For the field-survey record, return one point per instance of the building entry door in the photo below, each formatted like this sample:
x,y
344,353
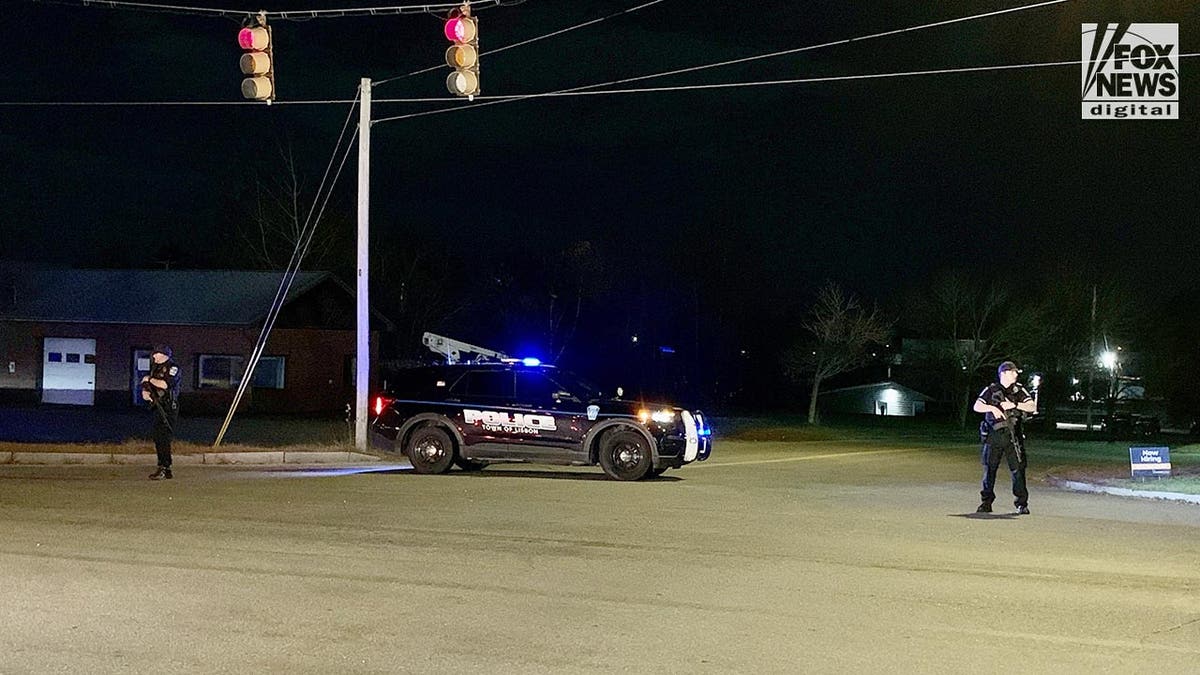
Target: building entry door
x,y
140,368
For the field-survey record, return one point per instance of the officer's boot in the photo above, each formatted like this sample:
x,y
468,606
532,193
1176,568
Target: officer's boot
x,y
163,473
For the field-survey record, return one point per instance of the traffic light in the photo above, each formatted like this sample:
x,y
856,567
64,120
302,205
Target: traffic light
x,y
258,62
463,56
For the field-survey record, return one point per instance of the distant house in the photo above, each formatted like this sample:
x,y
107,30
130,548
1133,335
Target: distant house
x,y
82,337
878,398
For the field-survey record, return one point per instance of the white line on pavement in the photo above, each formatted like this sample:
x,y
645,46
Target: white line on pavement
x,y
811,457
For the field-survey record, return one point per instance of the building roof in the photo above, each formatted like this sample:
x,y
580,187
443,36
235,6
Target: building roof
x,y
148,297
909,392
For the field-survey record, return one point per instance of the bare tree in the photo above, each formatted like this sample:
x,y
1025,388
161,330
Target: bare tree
x,y
976,326
279,213
550,292
579,275
841,332
1080,315
418,285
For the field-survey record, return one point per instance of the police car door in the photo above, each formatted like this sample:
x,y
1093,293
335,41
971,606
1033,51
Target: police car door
x,y
558,436
486,397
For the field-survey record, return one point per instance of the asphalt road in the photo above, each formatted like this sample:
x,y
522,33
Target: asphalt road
x,y
804,557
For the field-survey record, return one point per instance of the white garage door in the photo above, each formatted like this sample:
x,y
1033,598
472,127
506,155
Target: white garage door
x,y
69,371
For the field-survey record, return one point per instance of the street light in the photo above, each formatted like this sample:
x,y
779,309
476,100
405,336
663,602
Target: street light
x,y
1109,360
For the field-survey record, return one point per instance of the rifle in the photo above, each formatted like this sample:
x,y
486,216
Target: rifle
x,y
156,399
1015,436
1012,418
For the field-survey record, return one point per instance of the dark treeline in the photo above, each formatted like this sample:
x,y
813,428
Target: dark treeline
x,y
718,311
685,319
688,319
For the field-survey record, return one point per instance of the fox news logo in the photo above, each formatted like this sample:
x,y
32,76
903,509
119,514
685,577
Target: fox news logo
x,y
1130,71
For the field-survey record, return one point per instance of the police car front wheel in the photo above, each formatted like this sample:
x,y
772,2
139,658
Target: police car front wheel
x,y
430,450
624,455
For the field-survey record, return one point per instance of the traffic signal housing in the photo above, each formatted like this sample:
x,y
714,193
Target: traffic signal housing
x,y
462,30
258,60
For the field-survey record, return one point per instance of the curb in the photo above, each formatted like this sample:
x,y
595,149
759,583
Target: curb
x,y
276,457
60,458
1124,492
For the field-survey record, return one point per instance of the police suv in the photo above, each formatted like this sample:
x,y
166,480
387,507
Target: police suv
x,y
518,410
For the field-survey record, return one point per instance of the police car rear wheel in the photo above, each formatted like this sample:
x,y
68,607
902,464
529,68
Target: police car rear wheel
x,y
624,455
430,450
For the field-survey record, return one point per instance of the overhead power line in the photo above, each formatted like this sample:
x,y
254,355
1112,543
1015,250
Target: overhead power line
x,y
747,59
377,83
529,41
584,91
284,15
834,43
334,101
808,80
492,100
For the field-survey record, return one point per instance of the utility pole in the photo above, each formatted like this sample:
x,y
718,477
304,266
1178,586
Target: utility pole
x,y
362,358
1091,358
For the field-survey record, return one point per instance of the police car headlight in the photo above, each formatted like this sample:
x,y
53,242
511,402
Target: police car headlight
x,y
659,416
663,416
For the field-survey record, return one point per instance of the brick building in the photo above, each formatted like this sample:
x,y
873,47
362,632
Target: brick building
x,y
82,337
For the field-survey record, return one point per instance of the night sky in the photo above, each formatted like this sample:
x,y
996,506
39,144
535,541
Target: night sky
x,y
747,198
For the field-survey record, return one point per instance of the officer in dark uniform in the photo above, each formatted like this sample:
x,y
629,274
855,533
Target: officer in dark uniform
x,y
1002,403
161,390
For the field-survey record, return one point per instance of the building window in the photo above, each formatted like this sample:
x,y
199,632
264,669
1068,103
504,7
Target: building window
x,y
54,357
218,371
72,358
269,373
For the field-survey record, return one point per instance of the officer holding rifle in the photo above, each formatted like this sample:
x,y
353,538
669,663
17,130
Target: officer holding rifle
x,y
1002,404
161,390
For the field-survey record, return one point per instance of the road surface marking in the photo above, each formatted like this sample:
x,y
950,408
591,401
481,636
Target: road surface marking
x,y
805,458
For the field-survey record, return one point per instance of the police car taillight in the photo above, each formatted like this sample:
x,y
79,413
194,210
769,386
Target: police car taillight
x,y
381,402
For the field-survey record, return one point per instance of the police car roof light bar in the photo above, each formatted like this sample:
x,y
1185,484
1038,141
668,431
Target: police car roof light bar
x,y
452,350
